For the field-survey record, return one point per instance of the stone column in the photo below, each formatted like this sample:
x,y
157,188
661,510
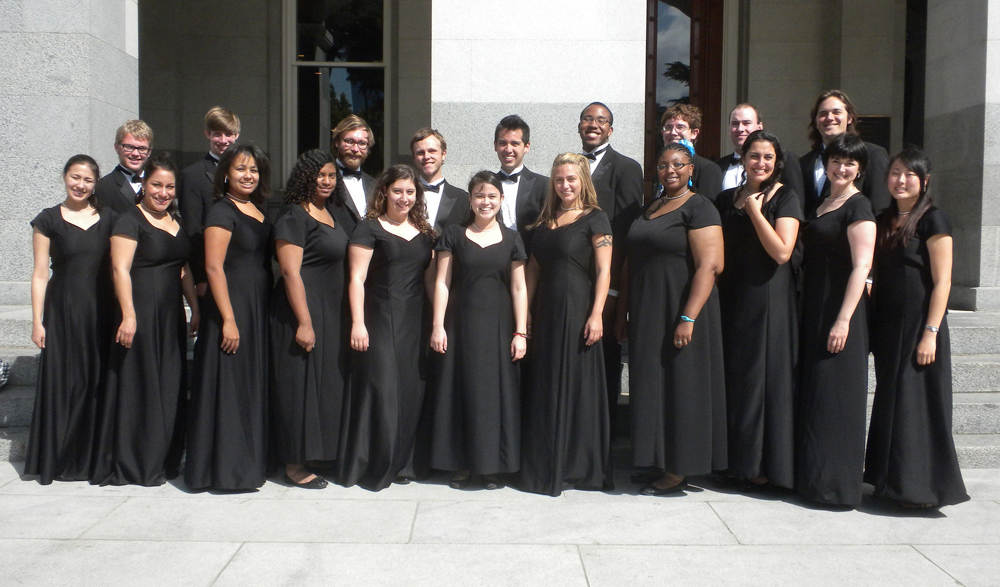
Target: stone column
x,y
68,79
962,137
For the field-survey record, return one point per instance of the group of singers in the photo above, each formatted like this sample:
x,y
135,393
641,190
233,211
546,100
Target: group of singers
x,y
417,326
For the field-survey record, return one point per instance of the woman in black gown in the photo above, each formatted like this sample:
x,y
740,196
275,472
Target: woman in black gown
x,y
760,223
480,326
911,452
72,322
308,335
147,378
677,390
227,427
565,429
838,240
390,272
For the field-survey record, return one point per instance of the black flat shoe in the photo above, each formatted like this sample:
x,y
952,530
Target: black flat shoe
x,y
317,482
459,482
491,484
656,491
401,480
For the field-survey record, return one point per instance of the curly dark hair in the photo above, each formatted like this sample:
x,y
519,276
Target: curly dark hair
x,y
261,194
380,203
301,186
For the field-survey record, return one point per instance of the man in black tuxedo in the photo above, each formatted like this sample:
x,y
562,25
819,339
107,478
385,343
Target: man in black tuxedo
x,y
446,204
353,140
618,181
523,190
683,121
119,189
197,192
832,115
743,120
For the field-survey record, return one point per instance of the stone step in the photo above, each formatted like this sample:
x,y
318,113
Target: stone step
x,y
13,444
974,333
969,373
15,327
23,365
978,451
16,404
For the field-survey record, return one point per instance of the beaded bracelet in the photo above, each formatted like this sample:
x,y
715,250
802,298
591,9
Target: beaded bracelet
x,y
521,334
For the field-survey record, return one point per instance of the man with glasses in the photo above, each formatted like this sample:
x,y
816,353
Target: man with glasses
x,y
119,189
683,121
618,181
353,140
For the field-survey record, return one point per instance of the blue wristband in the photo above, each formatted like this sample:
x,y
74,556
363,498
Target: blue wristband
x,y
686,319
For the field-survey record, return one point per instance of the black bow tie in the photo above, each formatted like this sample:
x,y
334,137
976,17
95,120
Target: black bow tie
x,y
345,172
511,178
433,188
593,156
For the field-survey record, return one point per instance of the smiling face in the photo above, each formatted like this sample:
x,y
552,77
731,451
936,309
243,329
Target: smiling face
x,y
219,141
243,176
132,152
326,181
80,181
904,184
510,148
159,189
742,122
841,171
595,127
676,129
352,148
400,196
674,169
832,119
759,162
568,185
428,156
485,200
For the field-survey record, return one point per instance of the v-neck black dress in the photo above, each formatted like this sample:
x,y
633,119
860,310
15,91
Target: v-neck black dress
x,y
386,395
760,342
146,383
565,428
477,398
78,317
833,388
911,451
227,426
307,388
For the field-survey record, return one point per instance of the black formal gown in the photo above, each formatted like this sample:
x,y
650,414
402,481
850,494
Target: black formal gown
x,y
911,452
759,342
677,396
477,399
833,388
307,388
227,426
565,427
147,383
385,399
78,314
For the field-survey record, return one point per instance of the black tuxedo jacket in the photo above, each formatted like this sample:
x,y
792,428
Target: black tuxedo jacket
x,y
872,183
706,179
791,176
114,192
347,213
531,191
197,194
618,181
453,208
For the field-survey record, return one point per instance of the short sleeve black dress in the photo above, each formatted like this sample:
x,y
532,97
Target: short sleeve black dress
x,y
78,317
911,452
385,398
677,396
833,388
227,427
565,428
759,342
146,383
477,399
307,388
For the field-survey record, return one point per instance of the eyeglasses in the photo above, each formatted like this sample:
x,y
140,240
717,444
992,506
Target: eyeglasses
x,y
676,166
129,148
354,143
600,120
677,127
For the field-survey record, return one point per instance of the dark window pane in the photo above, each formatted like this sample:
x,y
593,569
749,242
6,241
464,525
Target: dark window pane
x,y
673,54
328,94
339,30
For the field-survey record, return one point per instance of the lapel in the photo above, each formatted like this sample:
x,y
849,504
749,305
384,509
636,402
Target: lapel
x,y
126,189
524,188
210,166
601,176
449,195
607,161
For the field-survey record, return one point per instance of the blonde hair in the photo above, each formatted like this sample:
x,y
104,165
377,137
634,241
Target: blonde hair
x,y
137,129
588,194
222,120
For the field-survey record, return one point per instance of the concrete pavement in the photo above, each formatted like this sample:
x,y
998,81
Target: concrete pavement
x,y
428,534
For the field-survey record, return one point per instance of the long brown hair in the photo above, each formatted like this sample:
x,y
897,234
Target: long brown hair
x,y
262,192
588,194
916,161
380,203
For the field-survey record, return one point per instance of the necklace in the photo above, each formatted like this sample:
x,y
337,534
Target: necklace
x,y
240,200
668,198
577,207
846,195
903,213
63,204
153,213
492,226
393,222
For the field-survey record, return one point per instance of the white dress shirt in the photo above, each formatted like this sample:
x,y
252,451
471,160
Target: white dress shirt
x,y
433,200
734,173
819,174
600,150
356,189
509,206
